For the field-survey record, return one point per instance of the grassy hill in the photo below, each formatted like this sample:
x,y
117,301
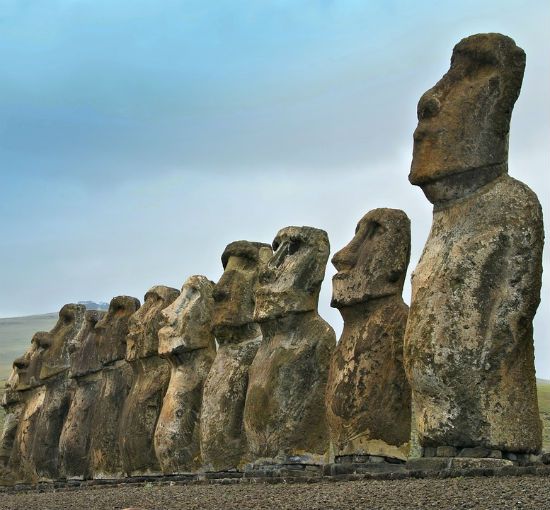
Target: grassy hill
x,y
16,334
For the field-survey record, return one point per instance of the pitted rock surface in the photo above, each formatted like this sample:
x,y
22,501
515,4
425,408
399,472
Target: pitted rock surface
x,y
368,398
187,342
115,381
469,340
223,440
74,442
284,413
54,374
151,375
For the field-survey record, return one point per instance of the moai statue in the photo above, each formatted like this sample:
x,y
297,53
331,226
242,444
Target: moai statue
x,y
115,382
469,339
368,398
54,376
284,414
13,406
75,439
188,344
151,375
223,440
31,393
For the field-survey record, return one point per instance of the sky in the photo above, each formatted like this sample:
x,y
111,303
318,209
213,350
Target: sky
x,y
138,138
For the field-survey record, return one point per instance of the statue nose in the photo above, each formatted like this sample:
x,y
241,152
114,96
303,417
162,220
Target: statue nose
x,y
343,260
20,363
428,106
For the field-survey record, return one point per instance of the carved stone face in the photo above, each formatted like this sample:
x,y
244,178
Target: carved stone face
x,y
55,358
189,318
464,120
111,331
27,367
291,280
145,323
84,349
234,294
375,261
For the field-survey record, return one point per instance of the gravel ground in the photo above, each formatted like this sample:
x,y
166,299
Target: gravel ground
x,y
526,492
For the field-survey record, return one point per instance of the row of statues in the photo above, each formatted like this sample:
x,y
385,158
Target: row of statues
x,y
245,372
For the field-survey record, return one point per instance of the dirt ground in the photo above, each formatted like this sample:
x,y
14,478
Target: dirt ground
x,y
525,492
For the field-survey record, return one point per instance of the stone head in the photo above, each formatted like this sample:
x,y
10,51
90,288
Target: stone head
x,y
83,350
234,294
464,120
144,325
11,395
27,367
374,263
291,280
189,318
55,358
112,330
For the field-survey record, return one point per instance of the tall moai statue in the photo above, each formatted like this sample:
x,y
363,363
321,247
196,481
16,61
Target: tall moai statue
x,y
13,403
368,398
284,414
188,344
223,440
469,339
31,393
151,375
13,407
75,439
54,373
115,380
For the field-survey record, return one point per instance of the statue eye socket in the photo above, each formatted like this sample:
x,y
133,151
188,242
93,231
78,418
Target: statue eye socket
x,y
293,246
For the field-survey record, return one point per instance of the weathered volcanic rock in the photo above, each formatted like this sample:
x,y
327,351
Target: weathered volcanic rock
x,y
115,380
284,413
31,395
469,339
74,442
223,440
54,376
188,344
368,398
150,382
13,408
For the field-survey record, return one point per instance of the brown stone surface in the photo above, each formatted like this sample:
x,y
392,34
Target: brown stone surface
x,y
74,442
54,375
368,398
30,393
284,413
187,342
151,375
115,382
464,120
469,339
223,441
13,409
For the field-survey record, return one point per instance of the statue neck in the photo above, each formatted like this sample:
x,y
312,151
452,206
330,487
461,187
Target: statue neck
x,y
445,192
